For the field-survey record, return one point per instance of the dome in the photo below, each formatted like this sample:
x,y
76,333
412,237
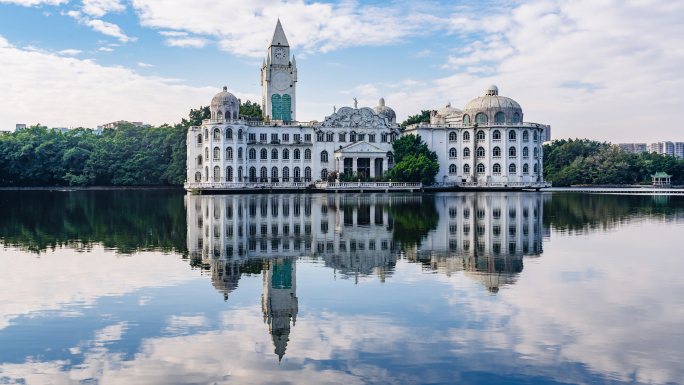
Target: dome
x,y
491,105
225,105
448,110
382,109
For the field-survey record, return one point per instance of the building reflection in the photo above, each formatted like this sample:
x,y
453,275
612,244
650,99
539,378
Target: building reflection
x,y
486,236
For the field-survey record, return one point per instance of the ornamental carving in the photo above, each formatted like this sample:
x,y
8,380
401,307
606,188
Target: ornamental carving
x,y
350,117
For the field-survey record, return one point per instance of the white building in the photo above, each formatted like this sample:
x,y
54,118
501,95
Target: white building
x,y
489,145
229,152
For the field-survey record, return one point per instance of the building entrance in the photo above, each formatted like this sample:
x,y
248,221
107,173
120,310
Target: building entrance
x,y
363,167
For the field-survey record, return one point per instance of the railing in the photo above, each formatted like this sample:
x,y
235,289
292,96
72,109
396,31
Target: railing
x,y
473,125
493,184
244,185
368,185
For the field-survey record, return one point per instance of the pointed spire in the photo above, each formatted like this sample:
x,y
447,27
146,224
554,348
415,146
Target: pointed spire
x,y
279,36
264,65
294,63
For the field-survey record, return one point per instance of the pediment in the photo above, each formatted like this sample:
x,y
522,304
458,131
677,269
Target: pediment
x,y
361,147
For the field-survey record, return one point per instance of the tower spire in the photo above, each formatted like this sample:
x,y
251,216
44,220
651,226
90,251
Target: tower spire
x,y
279,36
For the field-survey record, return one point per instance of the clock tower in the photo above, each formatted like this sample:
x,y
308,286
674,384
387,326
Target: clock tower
x,y
279,79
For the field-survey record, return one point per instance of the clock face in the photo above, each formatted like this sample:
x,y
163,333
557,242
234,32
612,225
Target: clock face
x,y
281,81
280,54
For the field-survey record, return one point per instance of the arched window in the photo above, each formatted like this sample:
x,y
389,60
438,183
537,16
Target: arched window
x,y
452,136
206,174
526,168
536,168
320,136
466,152
500,117
466,168
206,134
452,153
324,174
526,136
516,118
511,135
390,157
480,168
239,174
536,152
535,136
307,154
286,154
307,174
217,134
252,154
219,115
198,176
453,169
296,174
466,120
352,136
297,154
480,135
286,174
511,168
263,174
511,151
274,174
324,156
252,174
229,174
480,118
199,160
274,154
199,139
480,152
466,135
496,168
240,153
287,108
526,152
496,135
276,107
496,151
240,134
229,153
229,133
217,174
264,154
206,153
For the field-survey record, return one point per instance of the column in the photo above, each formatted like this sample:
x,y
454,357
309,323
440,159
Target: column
x,y
340,170
354,169
372,167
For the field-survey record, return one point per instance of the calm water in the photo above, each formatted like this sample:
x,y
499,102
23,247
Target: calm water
x,y
160,288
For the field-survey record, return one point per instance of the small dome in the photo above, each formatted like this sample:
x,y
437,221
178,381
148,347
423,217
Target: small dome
x,y
224,98
382,109
448,110
492,90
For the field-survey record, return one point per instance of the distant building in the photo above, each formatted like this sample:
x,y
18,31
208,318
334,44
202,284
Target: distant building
x,y
627,147
679,149
640,147
664,148
114,124
20,126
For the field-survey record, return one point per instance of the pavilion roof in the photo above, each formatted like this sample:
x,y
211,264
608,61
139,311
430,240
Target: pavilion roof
x,y
661,175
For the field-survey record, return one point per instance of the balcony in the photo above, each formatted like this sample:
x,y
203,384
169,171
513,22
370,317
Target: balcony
x,y
251,141
511,140
496,140
277,141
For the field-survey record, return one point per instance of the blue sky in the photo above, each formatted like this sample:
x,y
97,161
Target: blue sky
x,y
599,69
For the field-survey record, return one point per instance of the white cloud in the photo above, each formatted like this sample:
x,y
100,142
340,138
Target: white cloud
x,y
310,27
74,91
106,49
30,3
145,65
99,8
70,52
190,42
110,30
424,53
173,33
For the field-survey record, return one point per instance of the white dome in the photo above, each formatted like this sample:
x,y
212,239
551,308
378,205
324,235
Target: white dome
x,y
225,105
492,90
491,104
448,110
382,109
224,98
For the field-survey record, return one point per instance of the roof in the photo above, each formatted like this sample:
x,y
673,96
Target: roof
x,y
279,36
661,175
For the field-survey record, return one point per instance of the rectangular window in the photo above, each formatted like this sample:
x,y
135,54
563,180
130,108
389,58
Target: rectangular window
x,y
252,136
371,137
307,137
262,137
274,137
362,137
297,137
286,137
342,138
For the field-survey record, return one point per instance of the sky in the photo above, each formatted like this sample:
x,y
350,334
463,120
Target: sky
x,y
600,69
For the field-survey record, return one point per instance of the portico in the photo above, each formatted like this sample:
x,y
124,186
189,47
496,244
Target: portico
x,y
361,158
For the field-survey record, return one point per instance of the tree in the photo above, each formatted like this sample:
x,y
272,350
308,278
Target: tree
x,y
250,109
423,117
414,161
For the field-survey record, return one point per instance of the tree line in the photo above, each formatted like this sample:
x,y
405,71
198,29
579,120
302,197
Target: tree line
x,y
125,156
583,161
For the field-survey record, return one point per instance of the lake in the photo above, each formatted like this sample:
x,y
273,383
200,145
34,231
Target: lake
x,y
159,287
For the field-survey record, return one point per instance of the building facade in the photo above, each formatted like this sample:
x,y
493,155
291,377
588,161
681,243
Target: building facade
x,y
484,145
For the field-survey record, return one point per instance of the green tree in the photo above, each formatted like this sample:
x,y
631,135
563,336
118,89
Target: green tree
x,y
423,117
253,110
414,161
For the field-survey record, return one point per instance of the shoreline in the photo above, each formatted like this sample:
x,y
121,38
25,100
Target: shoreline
x,y
92,188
